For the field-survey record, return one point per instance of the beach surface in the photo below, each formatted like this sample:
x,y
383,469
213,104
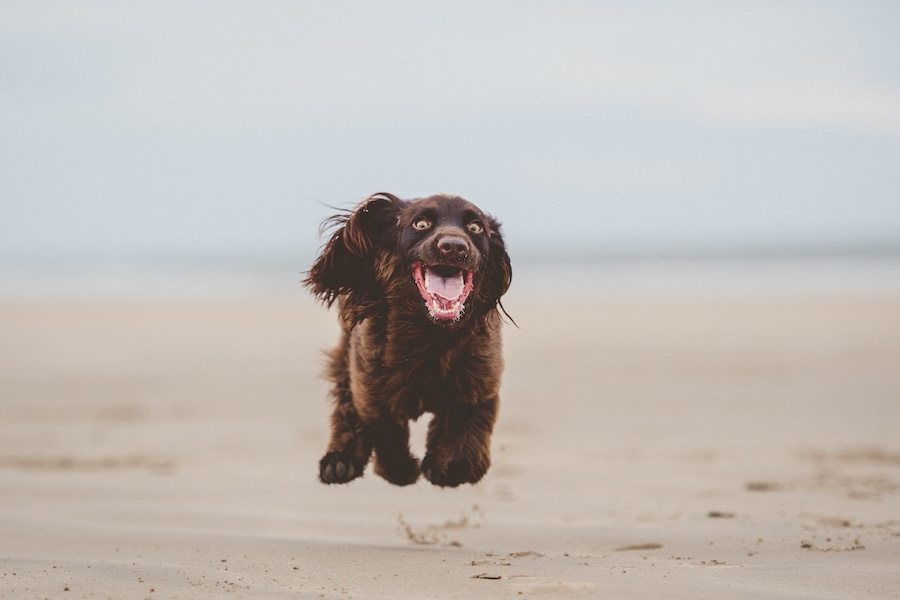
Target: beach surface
x,y
645,448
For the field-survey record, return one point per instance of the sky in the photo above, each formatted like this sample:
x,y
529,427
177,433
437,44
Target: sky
x,y
236,127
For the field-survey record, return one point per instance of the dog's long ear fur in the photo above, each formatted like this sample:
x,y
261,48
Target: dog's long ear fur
x,y
346,265
498,271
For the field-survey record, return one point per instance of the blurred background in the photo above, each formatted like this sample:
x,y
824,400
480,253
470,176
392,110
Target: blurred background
x,y
158,148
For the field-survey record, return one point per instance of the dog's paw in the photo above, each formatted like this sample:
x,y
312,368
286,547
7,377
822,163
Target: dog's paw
x,y
452,473
336,467
399,470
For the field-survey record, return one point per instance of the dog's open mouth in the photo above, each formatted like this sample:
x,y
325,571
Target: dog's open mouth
x,y
444,288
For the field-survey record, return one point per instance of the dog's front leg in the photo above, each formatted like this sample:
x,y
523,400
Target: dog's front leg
x,y
350,447
393,460
459,443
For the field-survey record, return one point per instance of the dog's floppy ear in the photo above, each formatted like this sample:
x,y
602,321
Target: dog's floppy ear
x,y
498,271
346,265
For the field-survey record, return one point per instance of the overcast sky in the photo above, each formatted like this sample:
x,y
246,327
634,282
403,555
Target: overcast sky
x,y
231,126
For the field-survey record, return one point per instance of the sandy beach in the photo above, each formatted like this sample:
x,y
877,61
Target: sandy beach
x,y
646,448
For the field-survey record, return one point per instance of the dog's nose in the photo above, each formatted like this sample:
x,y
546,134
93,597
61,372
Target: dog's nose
x,y
453,247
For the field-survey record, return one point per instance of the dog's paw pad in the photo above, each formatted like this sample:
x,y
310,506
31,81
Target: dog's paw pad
x,y
337,468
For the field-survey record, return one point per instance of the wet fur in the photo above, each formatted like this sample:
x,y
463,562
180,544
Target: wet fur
x,y
395,362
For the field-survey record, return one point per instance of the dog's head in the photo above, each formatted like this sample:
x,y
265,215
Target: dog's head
x,y
441,256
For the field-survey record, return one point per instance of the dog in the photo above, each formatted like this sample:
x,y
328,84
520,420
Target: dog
x,y
418,286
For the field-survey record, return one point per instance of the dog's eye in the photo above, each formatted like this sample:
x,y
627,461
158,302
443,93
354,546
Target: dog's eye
x,y
475,227
422,224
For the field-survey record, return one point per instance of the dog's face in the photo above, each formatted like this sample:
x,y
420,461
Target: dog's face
x,y
440,255
444,239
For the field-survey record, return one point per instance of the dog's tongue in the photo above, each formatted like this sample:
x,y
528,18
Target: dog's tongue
x,y
450,288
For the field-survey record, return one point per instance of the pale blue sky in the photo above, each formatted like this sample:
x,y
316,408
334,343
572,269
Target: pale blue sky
x,y
213,127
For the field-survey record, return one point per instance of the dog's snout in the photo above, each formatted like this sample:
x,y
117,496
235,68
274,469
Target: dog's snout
x,y
453,246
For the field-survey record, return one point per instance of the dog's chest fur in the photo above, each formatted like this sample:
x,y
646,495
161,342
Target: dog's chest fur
x,y
408,370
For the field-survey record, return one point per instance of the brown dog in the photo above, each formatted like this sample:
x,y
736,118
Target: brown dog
x,y
418,285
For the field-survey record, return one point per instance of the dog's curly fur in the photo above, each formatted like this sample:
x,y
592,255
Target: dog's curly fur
x,y
418,285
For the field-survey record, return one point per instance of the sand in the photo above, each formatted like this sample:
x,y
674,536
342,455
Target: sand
x,y
646,448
